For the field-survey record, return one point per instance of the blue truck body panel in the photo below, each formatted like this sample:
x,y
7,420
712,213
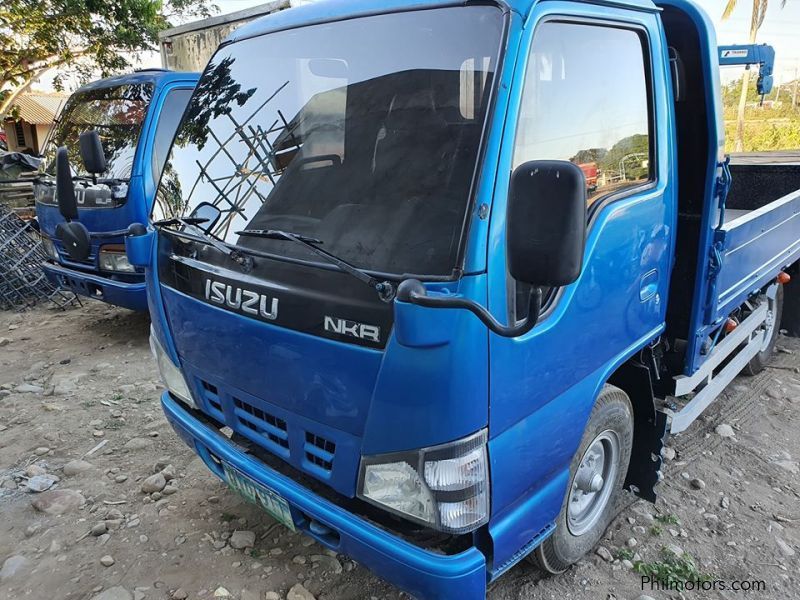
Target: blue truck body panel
x,y
86,278
441,375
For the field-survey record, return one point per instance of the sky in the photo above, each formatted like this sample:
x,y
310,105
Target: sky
x,y
781,29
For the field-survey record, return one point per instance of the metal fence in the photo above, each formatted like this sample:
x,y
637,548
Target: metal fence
x,y
22,280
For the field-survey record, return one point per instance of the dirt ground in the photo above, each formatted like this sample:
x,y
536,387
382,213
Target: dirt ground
x,y
72,380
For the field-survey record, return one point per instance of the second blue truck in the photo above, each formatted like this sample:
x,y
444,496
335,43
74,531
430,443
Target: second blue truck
x,y
135,117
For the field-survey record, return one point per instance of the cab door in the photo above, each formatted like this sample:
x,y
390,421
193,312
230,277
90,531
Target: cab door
x,y
589,87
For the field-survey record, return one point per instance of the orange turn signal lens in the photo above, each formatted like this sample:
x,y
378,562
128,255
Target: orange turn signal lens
x,y
730,325
784,278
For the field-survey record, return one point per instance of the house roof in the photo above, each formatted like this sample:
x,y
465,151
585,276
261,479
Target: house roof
x,y
38,108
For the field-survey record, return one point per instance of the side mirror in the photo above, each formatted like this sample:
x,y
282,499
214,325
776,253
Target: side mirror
x,y
209,213
92,155
546,223
65,190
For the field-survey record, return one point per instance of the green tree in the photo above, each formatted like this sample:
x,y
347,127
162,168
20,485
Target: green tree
x,y
756,20
80,35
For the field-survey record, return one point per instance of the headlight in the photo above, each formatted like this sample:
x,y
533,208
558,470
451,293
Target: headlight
x,y
170,374
49,248
113,258
445,487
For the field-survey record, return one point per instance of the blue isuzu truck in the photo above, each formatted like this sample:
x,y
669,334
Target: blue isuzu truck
x,y
127,124
389,309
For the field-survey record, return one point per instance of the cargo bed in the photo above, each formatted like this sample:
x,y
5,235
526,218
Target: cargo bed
x,y
760,233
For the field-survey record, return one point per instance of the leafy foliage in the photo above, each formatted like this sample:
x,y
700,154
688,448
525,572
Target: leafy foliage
x,y
81,35
773,125
672,568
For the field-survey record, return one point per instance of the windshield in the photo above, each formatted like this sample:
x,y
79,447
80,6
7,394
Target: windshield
x,y
363,134
116,113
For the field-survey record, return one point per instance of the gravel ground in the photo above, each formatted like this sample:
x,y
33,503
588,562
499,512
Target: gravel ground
x,y
79,415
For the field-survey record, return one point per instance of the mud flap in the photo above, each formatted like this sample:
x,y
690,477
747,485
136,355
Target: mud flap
x,y
650,428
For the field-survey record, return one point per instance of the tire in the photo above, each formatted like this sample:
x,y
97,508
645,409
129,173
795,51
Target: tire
x,y
762,359
578,530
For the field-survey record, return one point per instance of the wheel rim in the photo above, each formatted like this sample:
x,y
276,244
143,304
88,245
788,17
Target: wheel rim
x,y
593,483
769,324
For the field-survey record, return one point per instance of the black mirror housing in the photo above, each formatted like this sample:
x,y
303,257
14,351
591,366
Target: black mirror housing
x,y
209,212
65,189
92,155
546,223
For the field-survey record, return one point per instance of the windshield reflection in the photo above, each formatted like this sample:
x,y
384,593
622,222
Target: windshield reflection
x,y
363,134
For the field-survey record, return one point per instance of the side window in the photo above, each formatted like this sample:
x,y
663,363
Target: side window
x,y
168,121
586,99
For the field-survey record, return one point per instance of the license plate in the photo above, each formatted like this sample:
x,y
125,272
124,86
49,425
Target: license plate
x,y
259,495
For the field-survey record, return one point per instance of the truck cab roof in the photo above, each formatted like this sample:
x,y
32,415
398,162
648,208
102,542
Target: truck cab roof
x,y
327,11
155,76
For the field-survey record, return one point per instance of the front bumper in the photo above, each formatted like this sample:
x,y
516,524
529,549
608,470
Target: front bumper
x,y
420,572
126,295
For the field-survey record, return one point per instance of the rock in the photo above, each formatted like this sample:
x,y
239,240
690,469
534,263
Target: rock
x,y
272,596
785,548
168,472
154,483
32,529
34,470
631,543
41,450
12,565
180,594
788,465
675,549
221,592
698,484
299,559
724,502
121,478
668,453
28,388
298,592
645,597
604,553
114,593
327,563
40,483
75,467
99,529
107,560
725,430
242,539
627,564
138,443
57,502
169,490
774,393
4,341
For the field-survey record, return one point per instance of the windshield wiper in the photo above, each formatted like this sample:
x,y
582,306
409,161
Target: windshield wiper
x,y
190,225
385,289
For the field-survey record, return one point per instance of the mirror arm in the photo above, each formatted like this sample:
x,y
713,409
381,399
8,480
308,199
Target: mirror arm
x,y
413,292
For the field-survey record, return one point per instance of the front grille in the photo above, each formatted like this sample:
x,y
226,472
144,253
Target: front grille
x,y
277,431
212,396
270,426
319,451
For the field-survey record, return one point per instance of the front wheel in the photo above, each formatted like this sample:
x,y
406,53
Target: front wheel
x,y
597,474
